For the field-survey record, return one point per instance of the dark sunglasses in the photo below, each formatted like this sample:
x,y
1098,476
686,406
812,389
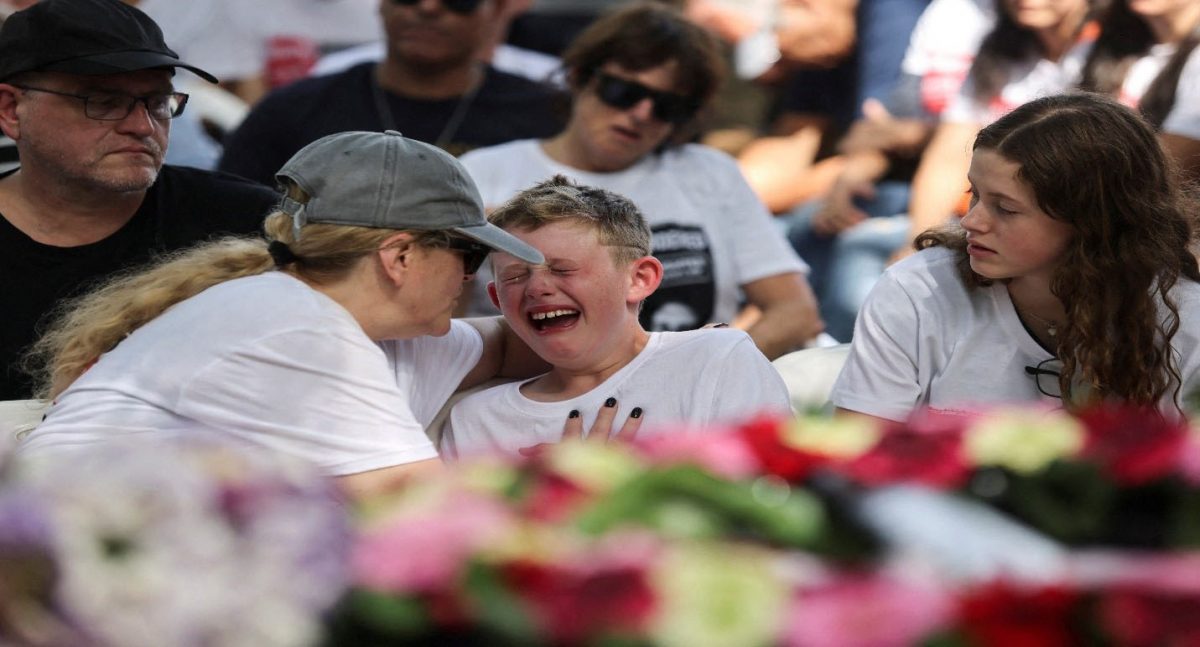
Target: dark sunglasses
x,y
462,7
669,107
473,253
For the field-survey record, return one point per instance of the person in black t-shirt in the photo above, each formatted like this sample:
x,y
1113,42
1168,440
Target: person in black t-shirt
x,y
86,94
431,87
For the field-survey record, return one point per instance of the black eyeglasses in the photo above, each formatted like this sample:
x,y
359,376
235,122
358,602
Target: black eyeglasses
x,y
1046,376
462,7
669,107
115,106
473,253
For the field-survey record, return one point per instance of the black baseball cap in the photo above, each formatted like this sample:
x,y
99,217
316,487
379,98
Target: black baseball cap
x,y
84,37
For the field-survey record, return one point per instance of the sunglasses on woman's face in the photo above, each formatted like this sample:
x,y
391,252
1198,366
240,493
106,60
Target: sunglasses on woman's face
x,y
462,7
473,253
669,107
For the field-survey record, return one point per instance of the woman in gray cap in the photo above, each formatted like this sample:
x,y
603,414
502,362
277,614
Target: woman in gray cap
x,y
331,340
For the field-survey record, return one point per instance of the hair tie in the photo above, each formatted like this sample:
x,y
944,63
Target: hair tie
x,y
281,253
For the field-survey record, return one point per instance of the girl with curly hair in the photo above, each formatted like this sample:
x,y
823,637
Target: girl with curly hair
x,y
1070,277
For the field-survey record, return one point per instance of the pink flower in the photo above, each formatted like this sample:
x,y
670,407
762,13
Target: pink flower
x,y
425,553
867,611
1189,458
721,452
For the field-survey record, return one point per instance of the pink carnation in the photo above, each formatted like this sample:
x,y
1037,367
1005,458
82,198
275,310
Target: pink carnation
x,y
425,552
867,611
721,452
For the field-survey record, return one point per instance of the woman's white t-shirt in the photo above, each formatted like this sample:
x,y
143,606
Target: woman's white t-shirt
x,y
270,361
923,338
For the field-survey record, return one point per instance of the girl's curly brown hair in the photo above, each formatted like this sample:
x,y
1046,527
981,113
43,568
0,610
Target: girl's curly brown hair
x,y
1098,166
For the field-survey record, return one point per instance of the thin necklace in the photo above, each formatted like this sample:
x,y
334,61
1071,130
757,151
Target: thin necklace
x,y
1050,326
384,110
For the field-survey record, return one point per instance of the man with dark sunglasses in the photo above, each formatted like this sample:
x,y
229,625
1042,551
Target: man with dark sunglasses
x,y
639,78
432,86
86,94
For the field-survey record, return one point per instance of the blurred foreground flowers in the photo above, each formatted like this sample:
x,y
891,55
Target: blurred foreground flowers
x,y
150,544
1006,527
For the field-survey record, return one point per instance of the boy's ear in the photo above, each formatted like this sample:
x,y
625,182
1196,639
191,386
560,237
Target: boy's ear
x,y
645,275
491,290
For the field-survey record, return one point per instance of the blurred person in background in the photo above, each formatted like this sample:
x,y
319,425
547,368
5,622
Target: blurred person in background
x,y
1146,56
432,87
639,78
847,236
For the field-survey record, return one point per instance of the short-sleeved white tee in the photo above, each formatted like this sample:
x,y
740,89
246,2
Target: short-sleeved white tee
x,y
271,361
923,338
710,230
698,378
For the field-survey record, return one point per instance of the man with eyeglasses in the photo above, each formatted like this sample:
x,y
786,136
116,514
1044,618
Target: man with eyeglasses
x,y
86,94
432,86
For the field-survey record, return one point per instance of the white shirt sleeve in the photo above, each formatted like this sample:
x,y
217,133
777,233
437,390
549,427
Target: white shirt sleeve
x,y
429,369
880,376
748,385
758,248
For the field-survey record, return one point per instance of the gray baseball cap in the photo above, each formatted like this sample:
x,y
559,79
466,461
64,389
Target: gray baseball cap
x,y
387,180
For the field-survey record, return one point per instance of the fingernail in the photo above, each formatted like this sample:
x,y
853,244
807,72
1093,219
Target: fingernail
x,y
574,413
636,413
721,325
610,403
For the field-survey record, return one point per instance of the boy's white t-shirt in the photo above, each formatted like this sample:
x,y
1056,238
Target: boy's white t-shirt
x,y
693,379
923,338
710,230
270,361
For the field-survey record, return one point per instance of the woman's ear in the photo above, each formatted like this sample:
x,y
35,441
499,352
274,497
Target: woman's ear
x,y
395,255
645,275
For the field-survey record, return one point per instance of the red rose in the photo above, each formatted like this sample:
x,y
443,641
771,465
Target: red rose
x,y
905,454
552,497
1133,444
572,605
764,436
1141,618
1002,615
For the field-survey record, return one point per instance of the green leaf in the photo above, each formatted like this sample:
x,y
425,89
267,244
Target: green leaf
x,y
656,497
387,614
497,608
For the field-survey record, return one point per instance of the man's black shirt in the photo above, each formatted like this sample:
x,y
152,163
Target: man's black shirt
x,y
183,207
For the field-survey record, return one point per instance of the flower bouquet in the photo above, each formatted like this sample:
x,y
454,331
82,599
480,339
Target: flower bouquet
x,y
761,534
677,540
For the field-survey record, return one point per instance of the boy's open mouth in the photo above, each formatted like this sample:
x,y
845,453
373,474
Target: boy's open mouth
x,y
553,319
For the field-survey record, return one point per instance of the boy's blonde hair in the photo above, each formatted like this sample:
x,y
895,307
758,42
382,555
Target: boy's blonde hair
x,y
615,218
